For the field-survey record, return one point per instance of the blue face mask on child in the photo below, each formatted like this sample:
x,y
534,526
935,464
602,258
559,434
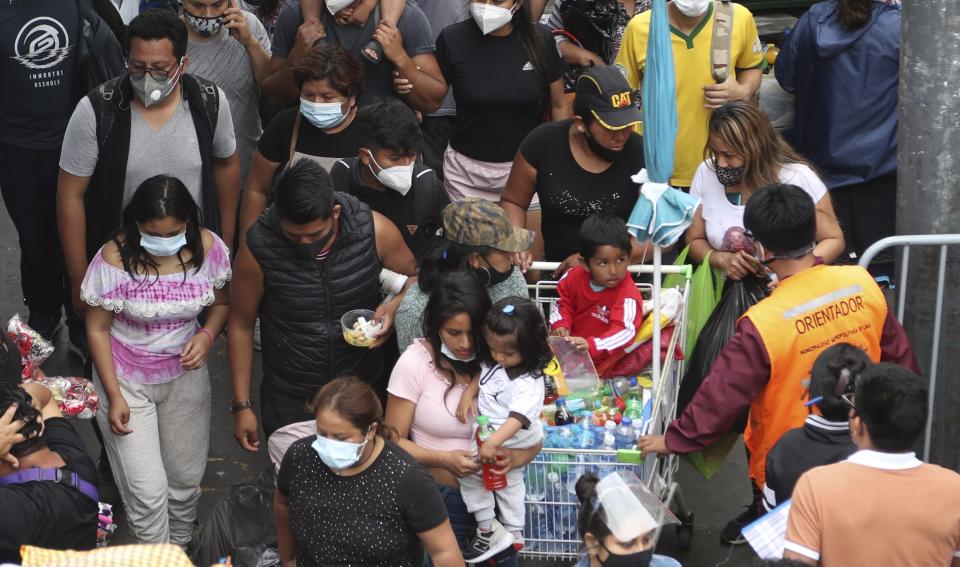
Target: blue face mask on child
x,y
338,455
163,246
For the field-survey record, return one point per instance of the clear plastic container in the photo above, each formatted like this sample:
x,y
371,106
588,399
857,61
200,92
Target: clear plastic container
x,y
359,328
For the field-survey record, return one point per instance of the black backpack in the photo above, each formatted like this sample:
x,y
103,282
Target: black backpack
x,y
99,55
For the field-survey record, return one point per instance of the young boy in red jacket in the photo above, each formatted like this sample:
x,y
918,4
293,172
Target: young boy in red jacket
x,y
600,306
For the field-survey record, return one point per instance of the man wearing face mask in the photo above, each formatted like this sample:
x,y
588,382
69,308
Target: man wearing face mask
x,y
154,119
387,176
768,358
697,28
230,47
310,258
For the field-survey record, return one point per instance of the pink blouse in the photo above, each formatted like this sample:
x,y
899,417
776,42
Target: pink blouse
x,y
435,425
154,317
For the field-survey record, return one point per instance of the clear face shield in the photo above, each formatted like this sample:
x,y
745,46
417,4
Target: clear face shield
x,y
630,508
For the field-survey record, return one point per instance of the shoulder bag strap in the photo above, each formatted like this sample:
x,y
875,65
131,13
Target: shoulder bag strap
x,y
722,39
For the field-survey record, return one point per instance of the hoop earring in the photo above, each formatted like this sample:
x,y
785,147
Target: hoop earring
x,y
489,275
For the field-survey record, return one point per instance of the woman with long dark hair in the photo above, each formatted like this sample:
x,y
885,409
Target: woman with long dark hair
x,y
349,495
425,390
146,287
842,63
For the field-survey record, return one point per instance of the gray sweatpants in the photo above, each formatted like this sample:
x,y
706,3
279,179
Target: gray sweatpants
x,y
480,501
159,465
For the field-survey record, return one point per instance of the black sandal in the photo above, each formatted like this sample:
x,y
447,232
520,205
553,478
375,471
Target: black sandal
x,y
373,51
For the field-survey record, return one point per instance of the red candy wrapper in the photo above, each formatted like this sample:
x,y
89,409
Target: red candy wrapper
x,y
75,396
34,349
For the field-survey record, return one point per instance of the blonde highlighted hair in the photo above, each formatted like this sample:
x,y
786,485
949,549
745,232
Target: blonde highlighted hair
x,y
748,132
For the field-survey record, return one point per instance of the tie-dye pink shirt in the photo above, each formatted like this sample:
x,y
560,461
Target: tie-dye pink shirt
x,y
154,317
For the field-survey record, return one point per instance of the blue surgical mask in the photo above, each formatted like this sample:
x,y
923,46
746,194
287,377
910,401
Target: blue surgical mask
x,y
338,455
163,246
323,115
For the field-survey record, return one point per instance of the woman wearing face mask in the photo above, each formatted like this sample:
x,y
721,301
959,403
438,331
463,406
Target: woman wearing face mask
x,y
744,152
505,72
477,237
350,496
425,389
578,167
604,549
145,289
323,128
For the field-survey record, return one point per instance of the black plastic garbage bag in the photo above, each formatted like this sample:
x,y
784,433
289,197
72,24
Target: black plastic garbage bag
x,y
737,297
241,525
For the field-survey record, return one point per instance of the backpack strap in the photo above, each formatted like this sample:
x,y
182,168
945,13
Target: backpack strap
x,y
61,475
209,97
106,100
293,139
722,40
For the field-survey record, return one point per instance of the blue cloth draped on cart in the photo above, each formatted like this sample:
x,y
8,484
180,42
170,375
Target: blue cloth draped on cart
x,y
662,213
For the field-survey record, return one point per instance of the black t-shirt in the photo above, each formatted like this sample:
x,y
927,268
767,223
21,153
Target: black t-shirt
x,y
496,88
569,194
48,514
275,142
38,60
416,214
377,77
372,518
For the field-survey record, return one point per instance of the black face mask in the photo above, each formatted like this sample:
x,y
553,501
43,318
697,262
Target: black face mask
x,y
638,559
603,153
310,250
492,277
729,176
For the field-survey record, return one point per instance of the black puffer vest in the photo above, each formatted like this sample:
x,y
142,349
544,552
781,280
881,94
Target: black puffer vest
x,y
303,300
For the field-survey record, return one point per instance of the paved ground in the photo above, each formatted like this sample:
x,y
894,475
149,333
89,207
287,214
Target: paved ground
x,y
714,501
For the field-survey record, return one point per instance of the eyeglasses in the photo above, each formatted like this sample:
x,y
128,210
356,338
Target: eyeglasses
x,y
846,385
137,71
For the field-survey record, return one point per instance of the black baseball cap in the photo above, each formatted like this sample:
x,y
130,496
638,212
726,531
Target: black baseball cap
x,y
605,92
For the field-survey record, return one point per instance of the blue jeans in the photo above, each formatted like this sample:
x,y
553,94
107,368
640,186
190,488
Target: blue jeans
x,y
464,527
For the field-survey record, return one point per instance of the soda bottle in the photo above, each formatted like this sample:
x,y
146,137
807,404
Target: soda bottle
x,y
614,415
563,415
491,480
587,439
599,418
634,409
636,391
550,390
621,386
619,404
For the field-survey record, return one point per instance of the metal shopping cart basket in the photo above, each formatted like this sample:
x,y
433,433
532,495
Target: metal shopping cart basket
x,y
551,502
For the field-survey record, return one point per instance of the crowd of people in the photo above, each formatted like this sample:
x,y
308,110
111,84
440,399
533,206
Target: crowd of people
x,y
261,168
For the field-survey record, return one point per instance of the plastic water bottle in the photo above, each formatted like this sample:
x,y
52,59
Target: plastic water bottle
x,y
587,438
563,438
491,480
625,435
636,391
563,415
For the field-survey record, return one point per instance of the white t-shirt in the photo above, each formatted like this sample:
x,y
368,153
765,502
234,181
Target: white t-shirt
x,y
523,396
724,220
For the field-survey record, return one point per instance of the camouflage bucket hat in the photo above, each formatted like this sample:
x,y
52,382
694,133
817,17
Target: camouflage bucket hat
x,y
476,222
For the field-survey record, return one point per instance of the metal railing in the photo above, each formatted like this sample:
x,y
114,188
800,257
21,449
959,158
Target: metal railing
x,y
907,241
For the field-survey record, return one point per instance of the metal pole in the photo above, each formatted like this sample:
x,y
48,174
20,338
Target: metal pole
x,y
928,198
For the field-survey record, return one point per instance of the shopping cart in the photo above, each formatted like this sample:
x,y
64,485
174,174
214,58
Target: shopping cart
x,y
551,502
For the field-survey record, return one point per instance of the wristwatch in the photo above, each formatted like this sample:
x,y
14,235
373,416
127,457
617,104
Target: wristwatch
x,y
240,406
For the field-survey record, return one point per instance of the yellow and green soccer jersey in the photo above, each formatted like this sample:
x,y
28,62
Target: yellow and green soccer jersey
x,y
691,60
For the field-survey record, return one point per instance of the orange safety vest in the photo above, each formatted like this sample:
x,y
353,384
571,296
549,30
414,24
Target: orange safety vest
x,y
807,313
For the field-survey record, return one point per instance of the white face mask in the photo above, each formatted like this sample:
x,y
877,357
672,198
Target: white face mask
x,y
692,8
399,177
445,350
336,5
491,18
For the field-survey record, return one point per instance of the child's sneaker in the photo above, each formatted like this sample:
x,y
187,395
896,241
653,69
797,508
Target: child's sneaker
x,y
518,541
485,545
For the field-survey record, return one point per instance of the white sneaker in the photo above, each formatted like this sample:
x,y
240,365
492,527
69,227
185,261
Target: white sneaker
x,y
485,545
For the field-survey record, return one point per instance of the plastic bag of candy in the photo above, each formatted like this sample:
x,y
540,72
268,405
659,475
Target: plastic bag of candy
x,y
105,524
34,349
75,396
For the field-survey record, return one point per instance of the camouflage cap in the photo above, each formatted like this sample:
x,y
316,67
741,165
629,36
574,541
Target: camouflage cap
x,y
477,222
